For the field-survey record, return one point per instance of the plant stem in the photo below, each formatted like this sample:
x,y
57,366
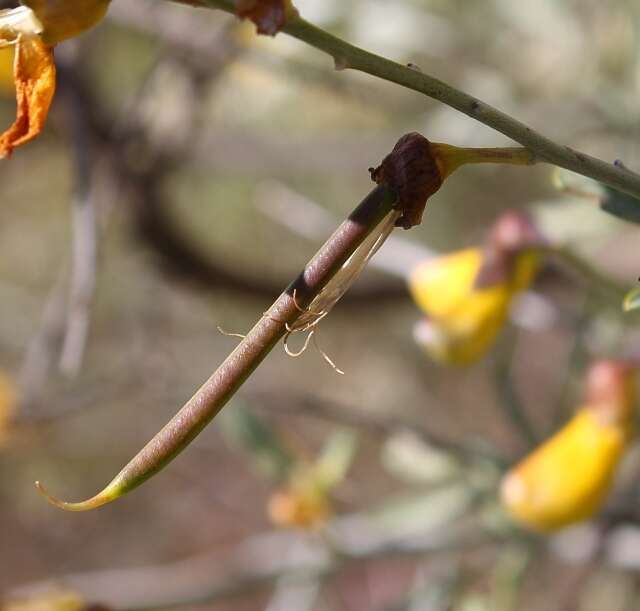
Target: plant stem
x,y
346,55
595,280
207,402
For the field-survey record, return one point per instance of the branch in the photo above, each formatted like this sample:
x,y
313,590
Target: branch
x,y
346,55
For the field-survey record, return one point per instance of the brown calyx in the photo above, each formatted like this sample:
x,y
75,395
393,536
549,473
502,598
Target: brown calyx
x,y
411,171
270,16
610,389
512,232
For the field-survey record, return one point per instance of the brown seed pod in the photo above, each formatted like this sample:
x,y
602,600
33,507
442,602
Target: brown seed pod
x,y
412,172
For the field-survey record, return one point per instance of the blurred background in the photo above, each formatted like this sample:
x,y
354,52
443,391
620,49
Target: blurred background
x,y
189,169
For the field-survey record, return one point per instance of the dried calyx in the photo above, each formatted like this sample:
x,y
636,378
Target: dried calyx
x,y
416,168
610,390
513,232
270,16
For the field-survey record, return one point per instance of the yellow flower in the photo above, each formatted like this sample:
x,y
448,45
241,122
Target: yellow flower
x,y
567,478
303,503
62,19
7,86
466,295
33,30
56,600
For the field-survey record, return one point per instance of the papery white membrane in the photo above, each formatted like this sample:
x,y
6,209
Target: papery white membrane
x,y
350,271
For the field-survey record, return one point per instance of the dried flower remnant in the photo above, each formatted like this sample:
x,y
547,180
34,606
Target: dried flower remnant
x,y
566,479
305,499
270,16
302,504
416,168
33,30
466,295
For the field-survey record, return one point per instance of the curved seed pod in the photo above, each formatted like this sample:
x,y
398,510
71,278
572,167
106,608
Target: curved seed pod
x,y
211,397
400,187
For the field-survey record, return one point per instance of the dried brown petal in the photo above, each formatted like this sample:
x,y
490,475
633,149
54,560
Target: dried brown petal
x,y
35,79
411,170
270,16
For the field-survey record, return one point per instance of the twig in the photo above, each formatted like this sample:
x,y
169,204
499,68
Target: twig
x,y
346,55
84,260
597,281
256,563
43,346
381,424
508,397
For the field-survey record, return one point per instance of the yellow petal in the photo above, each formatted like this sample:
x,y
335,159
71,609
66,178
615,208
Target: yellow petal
x,y
53,600
567,478
464,321
7,86
62,19
35,79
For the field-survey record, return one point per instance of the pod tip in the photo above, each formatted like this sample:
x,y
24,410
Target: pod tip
x,y
102,498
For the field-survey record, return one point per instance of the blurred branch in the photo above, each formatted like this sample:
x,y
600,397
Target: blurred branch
x,y
385,425
85,228
257,563
508,397
65,321
43,346
346,56
597,281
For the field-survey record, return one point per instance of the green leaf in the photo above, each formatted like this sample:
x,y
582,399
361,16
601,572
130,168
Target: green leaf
x,y
632,300
621,205
247,431
336,457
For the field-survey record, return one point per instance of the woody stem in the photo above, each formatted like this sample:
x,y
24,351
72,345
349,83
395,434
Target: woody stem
x,y
346,55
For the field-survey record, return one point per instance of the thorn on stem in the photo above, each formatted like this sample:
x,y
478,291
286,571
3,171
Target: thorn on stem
x,y
340,63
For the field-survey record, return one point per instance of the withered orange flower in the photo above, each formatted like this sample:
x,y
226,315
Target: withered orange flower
x,y
34,74
33,30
